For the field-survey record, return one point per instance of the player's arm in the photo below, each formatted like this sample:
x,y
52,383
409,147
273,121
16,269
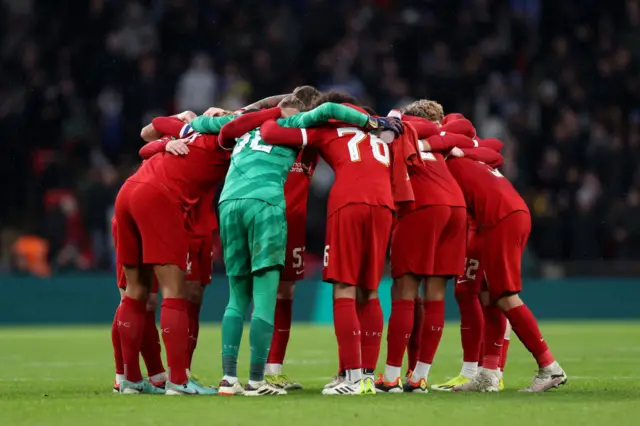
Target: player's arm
x,y
330,110
268,102
423,127
444,141
486,155
203,124
243,124
154,131
460,127
165,144
274,134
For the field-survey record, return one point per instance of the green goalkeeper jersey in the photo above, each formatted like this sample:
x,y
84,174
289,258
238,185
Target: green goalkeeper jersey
x,y
258,170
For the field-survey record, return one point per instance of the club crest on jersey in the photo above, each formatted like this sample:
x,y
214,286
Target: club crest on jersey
x,y
296,168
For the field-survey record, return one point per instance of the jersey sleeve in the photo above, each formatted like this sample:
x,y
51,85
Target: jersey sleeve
x,y
323,114
486,155
444,141
204,124
243,124
274,134
154,147
461,127
170,126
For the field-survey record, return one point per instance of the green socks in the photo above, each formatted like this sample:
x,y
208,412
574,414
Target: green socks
x,y
233,322
265,293
263,286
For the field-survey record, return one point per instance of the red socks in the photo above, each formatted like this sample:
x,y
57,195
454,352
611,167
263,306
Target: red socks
x,y
130,317
115,341
431,330
371,324
281,331
347,328
505,350
174,322
193,312
399,331
151,345
413,349
471,323
526,328
495,325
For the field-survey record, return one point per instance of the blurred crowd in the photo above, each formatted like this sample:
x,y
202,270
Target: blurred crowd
x,y
558,82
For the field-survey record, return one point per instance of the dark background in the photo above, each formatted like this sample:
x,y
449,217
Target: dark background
x,y
557,81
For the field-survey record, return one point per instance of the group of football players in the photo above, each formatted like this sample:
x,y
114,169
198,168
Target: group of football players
x,y
417,182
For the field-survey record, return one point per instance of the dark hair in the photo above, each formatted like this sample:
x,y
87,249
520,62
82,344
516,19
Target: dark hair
x,y
292,102
307,94
337,97
370,110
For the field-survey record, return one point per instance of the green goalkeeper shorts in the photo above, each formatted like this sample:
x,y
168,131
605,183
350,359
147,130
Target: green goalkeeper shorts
x,y
253,235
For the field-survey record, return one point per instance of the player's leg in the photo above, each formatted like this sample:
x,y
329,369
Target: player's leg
x,y
448,261
165,244
467,291
195,293
293,271
267,235
401,323
151,350
407,258
342,263
130,316
117,348
235,250
376,239
505,347
413,348
281,333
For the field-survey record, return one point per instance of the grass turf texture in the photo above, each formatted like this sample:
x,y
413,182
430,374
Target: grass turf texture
x,y
63,376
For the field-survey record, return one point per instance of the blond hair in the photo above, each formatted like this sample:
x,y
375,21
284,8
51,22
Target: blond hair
x,y
425,108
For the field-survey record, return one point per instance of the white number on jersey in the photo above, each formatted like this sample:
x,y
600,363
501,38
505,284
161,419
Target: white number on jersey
x,y
496,173
255,143
472,267
379,148
298,261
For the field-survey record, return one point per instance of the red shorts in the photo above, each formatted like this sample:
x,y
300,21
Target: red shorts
x,y
473,276
296,245
503,246
356,245
150,227
429,241
200,263
121,279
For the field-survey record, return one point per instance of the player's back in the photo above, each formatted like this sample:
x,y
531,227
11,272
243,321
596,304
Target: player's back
x,y
433,184
489,195
258,171
361,162
187,178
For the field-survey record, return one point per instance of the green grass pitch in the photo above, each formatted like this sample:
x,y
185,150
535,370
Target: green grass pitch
x,y
63,376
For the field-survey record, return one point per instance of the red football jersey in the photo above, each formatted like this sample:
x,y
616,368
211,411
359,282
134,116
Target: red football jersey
x,y
187,178
361,162
296,187
490,196
433,185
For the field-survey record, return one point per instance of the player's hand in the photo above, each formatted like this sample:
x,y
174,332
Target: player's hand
x,y
386,123
177,147
456,152
187,116
214,112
